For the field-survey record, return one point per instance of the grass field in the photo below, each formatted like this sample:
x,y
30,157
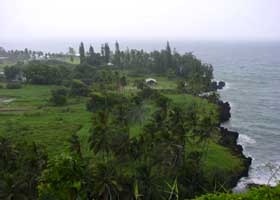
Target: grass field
x,y
29,117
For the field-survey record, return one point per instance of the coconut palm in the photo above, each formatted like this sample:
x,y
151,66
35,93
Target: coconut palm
x,y
100,139
148,183
106,185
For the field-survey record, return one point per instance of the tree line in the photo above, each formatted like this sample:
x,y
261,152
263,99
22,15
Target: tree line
x,y
191,74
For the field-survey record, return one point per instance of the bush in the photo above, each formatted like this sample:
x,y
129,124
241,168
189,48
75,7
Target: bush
x,y
59,96
12,72
78,88
14,85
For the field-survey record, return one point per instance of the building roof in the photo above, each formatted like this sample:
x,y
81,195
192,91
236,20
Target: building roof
x,y
151,80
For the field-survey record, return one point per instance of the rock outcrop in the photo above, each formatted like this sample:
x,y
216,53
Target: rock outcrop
x,y
217,85
224,108
229,140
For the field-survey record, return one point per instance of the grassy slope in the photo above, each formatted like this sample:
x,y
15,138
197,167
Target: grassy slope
x,y
47,125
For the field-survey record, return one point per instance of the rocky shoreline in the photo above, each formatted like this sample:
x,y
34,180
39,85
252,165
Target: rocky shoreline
x,y
229,140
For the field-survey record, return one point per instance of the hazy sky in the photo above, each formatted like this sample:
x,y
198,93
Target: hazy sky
x,y
139,19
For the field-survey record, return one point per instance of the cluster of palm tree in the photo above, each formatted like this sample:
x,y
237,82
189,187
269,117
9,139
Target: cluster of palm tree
x,y
155,165
20,167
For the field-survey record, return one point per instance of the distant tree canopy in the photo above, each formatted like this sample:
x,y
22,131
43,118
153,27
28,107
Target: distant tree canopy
x,y
106,53
38,72
17,55
193,76
182,66
71,51
117,55
84,72
82,52
13,72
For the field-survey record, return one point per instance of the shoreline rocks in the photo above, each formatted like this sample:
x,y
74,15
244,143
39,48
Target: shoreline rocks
x,y
229,139
218,85
224,108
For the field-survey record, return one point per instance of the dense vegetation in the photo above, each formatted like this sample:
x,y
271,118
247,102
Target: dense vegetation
x,y
98,130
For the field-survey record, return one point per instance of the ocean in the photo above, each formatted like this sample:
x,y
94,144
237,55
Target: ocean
x,y
252,74
251,71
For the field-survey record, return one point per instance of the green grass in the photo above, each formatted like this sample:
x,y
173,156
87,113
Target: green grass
x,y
41,123
220,161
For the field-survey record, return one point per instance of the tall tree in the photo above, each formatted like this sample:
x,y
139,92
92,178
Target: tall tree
x,y
71,51
91,51
102,50
82,52
101,134
117,56
106,52
168,56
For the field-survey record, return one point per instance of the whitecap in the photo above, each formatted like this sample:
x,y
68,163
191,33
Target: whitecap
x,y
261,174
227,86
245,139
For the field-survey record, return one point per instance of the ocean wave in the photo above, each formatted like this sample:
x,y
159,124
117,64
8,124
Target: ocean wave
x,y
245,139
261,174
227,86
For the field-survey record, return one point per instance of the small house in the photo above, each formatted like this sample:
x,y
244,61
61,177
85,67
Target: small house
x,y
151,81
110,64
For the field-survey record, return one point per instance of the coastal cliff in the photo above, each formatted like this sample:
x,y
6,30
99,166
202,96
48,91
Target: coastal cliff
x,y
229,139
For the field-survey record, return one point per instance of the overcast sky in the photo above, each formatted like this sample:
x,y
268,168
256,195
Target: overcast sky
x,y
140,19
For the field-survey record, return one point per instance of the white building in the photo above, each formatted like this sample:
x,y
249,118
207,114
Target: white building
x,y
151,81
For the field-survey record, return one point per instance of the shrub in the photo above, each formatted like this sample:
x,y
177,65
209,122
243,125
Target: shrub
x,y
12,72
14,85
59,96
78,88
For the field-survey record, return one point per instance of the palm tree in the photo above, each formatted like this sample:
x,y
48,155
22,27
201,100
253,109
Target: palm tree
x,y
100,139
107,185
20,167
148,182
8,154
121,144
